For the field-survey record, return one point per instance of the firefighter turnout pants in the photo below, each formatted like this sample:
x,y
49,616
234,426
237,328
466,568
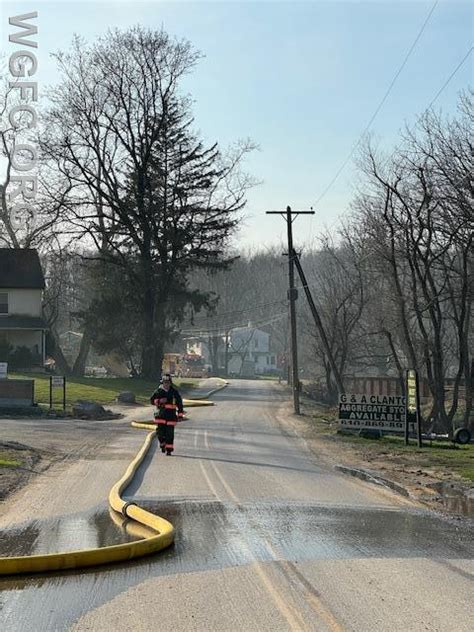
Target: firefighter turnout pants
x,y
165,433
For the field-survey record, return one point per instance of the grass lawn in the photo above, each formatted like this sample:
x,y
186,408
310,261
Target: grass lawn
x,y
102,390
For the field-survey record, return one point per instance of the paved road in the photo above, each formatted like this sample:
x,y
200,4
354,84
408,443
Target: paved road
x,y
268,538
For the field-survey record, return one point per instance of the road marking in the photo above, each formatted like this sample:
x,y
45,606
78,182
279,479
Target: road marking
x,y
293,617
206,475
219,475
309,593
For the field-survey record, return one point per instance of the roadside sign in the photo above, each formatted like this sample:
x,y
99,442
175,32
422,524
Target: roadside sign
x,y
412,395
57,381
413,415
383,412
3,370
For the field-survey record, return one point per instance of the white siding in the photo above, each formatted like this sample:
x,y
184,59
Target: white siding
x,y
252,339
24,302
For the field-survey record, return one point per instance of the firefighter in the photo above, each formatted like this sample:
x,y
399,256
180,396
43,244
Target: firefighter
x,y
168,411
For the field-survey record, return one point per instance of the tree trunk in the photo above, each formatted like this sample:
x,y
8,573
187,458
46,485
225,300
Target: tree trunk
x,y
469,382
226,355
79,367
213,344
400,371
57,354
152,349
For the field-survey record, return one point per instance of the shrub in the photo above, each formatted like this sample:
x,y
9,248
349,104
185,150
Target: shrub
x,y
22,358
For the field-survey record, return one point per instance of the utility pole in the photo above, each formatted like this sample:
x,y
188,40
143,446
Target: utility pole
x,y
292,296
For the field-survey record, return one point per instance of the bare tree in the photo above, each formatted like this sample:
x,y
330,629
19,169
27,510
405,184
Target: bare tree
x,y
415,217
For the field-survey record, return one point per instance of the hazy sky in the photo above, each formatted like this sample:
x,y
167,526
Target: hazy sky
x,y
301,79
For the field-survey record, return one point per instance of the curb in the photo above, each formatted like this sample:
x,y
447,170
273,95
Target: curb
x,y
206,395
371,477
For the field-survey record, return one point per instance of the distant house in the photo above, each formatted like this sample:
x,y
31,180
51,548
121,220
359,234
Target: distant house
x,y
249,352
21,314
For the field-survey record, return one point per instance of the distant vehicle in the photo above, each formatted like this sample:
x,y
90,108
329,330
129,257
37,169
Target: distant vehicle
x,y
184,365
193,365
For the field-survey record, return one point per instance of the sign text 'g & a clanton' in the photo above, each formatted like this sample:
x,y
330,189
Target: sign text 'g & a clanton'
x,y
386,412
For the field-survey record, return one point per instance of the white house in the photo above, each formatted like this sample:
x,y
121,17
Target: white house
x,y
21,292
249,352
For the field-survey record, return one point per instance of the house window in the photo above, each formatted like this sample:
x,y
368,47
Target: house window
x,y
3,303
273,360
255,344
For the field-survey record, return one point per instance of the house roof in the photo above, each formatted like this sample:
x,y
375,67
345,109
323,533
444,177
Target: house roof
x,y
20,268
22,322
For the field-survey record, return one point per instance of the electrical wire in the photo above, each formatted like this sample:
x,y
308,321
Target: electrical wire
x,y
449,78
440,91
379,107
223,329
241,311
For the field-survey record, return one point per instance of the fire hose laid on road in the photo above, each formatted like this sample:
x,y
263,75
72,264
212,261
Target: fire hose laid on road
x,y
118,552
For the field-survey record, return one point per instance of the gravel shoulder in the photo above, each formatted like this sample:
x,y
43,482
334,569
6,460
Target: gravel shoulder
x,y
31,446
18,464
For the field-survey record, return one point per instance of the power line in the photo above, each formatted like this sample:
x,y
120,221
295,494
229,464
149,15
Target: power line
x,y
428,108
379,107
450,77
218,330
241,311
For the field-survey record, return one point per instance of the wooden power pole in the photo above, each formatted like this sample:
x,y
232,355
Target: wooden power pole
x,y
292,296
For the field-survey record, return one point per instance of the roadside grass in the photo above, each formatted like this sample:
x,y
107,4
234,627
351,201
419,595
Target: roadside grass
x,y
7,461
101,390
441,456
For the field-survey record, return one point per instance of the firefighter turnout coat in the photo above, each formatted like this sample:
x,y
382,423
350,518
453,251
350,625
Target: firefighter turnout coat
x,y
168,411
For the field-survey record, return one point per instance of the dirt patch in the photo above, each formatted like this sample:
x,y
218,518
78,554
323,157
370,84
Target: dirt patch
x,y
432,476
18,464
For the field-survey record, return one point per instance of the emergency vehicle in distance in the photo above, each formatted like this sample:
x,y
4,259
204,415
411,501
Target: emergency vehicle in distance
x,y
184,365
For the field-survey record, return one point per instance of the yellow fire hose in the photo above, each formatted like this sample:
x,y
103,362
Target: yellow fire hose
x,y
118,552
189,403
107,554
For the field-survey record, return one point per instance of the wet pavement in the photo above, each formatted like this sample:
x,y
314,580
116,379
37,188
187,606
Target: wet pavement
x,y
258,520
212,535
72,532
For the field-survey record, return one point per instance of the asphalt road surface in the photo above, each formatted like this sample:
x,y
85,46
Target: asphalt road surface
x,y
268,537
